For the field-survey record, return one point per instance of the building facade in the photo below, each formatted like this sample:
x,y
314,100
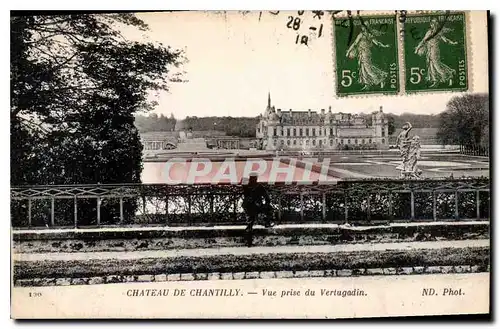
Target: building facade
x,y
310,130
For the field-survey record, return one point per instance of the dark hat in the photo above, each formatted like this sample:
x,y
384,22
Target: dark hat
x,y
252,178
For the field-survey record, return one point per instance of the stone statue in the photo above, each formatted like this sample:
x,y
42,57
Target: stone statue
x,y
409,149
413,156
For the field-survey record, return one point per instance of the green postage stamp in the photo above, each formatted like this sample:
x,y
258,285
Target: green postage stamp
x,y
435,52
366,51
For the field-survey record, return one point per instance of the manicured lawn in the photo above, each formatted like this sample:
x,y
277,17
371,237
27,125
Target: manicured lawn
x,y
255,262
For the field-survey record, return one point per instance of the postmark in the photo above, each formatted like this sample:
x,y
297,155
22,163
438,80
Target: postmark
x,y
366,51
435,52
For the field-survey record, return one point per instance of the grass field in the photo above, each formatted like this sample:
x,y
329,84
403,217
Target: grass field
x,y
432,165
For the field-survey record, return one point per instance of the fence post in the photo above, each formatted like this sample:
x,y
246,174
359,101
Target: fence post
x,y
456,206
52,206
478,205
301,206
166,210
144,205
368,204
391,210
75,216
346,211
121,210
412,204
98,211
189,209
280,214
29,212
211,210
324,206
434,206
235,206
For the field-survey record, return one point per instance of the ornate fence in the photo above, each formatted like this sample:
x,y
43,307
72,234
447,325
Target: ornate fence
x,y
476,150
360,201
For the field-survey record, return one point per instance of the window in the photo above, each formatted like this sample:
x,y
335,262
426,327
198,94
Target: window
x,y
320,142
307,142
348,141
331,131
258,130
307,131
370,141
320,131
363,141
274,142
383,141
300,131
288,142
294,142
341,141
313,131
355,141
275,132
331,142
294,131
288,131
314,142
282,142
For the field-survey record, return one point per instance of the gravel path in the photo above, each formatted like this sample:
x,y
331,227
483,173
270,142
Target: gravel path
x,y
249,251
238,227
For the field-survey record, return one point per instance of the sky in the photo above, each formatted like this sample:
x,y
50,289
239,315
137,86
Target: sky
x,y
234,60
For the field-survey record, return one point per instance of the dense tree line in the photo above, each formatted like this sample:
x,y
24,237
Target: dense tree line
x,y
155,122
416,120
238,126
245,126
465,121
76,82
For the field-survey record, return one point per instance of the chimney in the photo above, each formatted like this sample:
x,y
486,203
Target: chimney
x,y
322,111
309,111
290,112
330,109
380,108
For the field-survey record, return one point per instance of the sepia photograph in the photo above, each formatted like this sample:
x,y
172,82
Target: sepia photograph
x,y
249,164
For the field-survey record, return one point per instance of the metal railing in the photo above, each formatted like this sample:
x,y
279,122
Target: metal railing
x,y
350,201
475,150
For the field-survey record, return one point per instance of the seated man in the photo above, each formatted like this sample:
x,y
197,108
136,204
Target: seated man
x,y
256,200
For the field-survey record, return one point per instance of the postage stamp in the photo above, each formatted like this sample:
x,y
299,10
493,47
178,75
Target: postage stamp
x,y
366,55
435,52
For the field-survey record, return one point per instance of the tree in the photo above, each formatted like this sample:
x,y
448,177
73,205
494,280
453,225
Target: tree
x,y
391,128
465,120
76,83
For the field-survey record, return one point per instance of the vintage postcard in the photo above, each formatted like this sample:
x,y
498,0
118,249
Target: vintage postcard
x,y
250,164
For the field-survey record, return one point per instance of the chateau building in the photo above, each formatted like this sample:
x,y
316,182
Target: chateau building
x,y
310,130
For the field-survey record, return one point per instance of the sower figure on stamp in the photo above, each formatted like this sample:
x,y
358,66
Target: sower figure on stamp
x,y
256,201
437,71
